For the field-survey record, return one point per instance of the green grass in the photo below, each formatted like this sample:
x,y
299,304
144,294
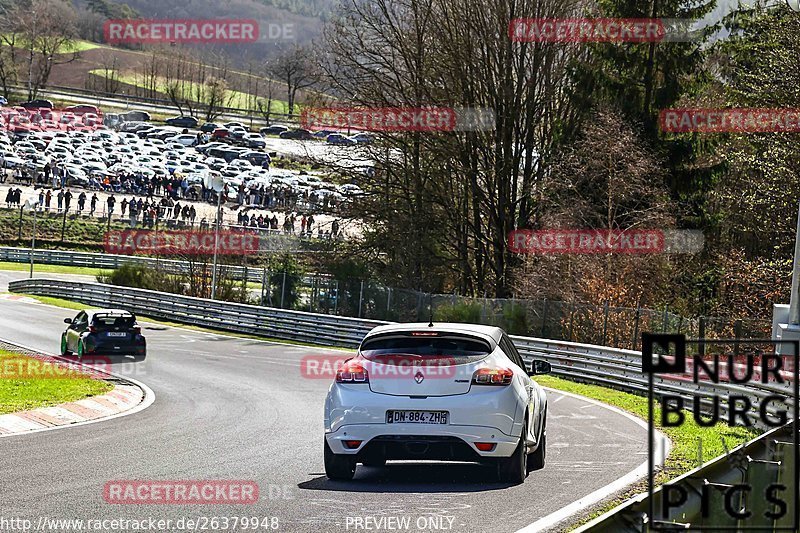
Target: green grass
x,y
39,268
233,98
684,455
79,45
22,390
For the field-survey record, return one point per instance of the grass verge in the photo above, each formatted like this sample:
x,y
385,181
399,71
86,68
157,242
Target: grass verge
x,y
686,452
40,385
39,268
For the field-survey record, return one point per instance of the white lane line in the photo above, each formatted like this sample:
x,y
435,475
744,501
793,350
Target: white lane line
x,y
558,399
662,447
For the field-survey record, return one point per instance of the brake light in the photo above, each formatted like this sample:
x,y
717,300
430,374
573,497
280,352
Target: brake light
x,y
352,372
485,446
492,376
92,329
352,444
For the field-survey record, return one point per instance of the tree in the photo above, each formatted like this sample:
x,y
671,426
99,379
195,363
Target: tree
x,y
297,69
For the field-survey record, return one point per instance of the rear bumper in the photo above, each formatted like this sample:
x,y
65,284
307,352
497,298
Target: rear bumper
x,y
410,441
96,346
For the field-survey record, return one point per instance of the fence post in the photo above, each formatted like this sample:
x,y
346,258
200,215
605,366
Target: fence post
x,y
263,284
283,289
636,317
336,300
571,320
388,300
737,334
19,232
701,333
605,322
664,327
544,318
360,298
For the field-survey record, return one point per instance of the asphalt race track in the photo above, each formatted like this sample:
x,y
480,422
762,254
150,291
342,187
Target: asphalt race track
x,y
231,408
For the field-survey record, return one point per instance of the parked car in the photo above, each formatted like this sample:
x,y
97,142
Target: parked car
x,y
363,138
254,140
83,108
47,104
340,139
184,121
3,100
209,127
221,133
298,134
275,129
137,116
103,331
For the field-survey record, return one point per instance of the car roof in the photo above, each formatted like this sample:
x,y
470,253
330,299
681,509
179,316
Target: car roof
x,y
106,312
492,332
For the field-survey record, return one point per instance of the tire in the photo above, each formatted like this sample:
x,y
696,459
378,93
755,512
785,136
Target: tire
x,y
81,350
339,467
64,350
514,469
536,459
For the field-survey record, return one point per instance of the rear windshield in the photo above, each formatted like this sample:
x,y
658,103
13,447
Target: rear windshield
x,y
462,349
108,322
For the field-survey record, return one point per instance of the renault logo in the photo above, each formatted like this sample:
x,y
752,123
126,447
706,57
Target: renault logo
x,y
418,377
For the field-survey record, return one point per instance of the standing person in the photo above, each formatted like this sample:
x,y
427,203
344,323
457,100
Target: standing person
x,y
309,222
46,170
111,201
123,205
67,200
81,202
335,228
303,225
93,204
47,198
60,197
192,214
41,198
9,196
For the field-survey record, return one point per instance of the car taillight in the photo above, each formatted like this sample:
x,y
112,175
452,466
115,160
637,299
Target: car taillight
x,y
492,376
352,372
92,329
485,446
137,330
352,444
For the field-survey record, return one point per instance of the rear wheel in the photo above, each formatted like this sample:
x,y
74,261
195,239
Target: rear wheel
x,y
64,350
514,469
337,466
536,459
80,350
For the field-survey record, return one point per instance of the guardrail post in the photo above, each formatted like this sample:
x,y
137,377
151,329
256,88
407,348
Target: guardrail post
x,y
19,231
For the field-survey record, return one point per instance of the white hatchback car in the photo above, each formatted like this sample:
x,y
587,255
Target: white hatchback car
x,y
449,392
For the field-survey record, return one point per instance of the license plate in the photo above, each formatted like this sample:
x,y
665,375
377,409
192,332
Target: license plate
x,y
116,333
416,417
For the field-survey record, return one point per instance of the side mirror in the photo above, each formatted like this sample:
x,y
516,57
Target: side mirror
x,y
67,321
539,367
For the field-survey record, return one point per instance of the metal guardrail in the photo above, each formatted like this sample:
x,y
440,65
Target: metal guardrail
x,y
764,461
600,365
112,261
